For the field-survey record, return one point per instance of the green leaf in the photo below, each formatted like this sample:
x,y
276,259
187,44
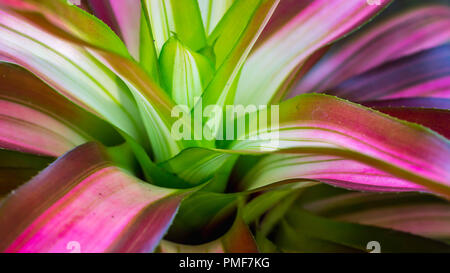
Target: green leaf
x,y
17,168
264,244
419,214
196,165
212,12
232,44
238,239
148,56
154,105
153,173
203,214
276,214
357,236
234,25
290,240
262,203
185,73
171,16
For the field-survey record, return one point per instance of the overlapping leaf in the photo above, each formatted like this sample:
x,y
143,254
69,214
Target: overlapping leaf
x,y
204,164
435,119
69,69
85,198
238,239
117,15
89,196
203,213
169,17
427,220
419,214
17,168
323,124
321,23
430,77
384,40
430,112
134,30
328,169
305,232
154,105
212,12
185,73
411,102
35,119
134,84
232,40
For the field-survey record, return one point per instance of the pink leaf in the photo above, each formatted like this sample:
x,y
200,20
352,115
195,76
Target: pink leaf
x,y
425,74
35,119
320,23
84,198
425,102
401,35
124,17
332,170
321,124
435,119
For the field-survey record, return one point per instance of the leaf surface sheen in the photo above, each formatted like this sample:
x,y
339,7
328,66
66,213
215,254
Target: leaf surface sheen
x,y
91,202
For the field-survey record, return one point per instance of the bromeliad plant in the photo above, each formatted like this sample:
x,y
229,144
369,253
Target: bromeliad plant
x,y
89,161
